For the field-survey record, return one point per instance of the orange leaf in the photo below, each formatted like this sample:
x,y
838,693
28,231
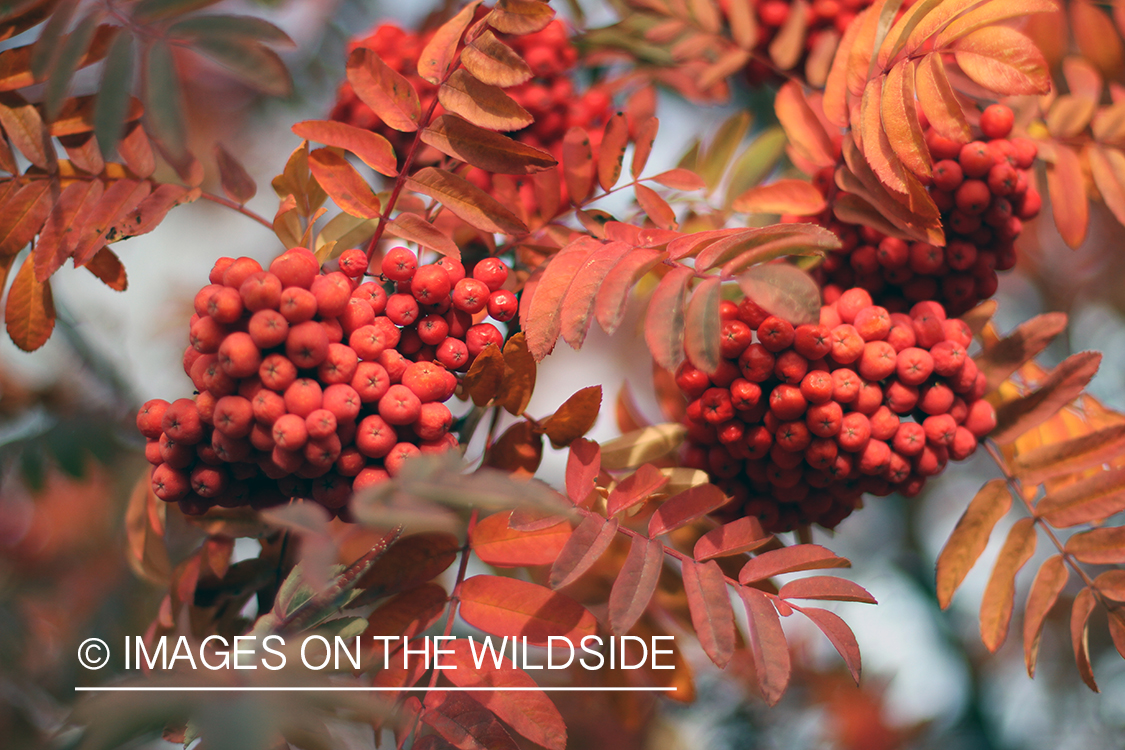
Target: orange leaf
x,y
826,587
664,324
743,23
344,184
642,145
989,14
543,322
782,290
1084,604
236,181
578,164
804,129
999,594
1003,60
1045,589
583,464
636,488
970,537
520,16
441,50
931,18
1111,584
896,37
496,543
768,645
464,722
1067,188
1098,41
790,560
373,149
1086,501
484,149
1061,386
1107,167
518,451
466,200
481,103
838,632
914,213
611,152
938,101
788,45
24,126
575,417
635,583
852,209
1023,344
1104,546
108,268
29,314
900,119
876,146
407,614
613,297
835,100
734,538
709,604
578,306
874,25
786,196
22,214
414,228
590,540
482,381
151,211
99,226
656,207
685,507
702,325
519,375
411,561
494,62
510,607
389,94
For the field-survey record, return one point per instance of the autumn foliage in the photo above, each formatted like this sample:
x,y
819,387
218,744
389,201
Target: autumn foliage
x,y
815,293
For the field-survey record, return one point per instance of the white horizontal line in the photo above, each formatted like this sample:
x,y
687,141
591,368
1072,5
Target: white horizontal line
x,y
361,689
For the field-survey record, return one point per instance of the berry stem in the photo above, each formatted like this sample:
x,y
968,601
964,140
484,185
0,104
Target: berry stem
x,y
220,200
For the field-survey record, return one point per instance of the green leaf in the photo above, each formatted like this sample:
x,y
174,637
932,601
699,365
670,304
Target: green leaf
x,y
252,63
163,103
246,27
153,10
66,62
47,47
714,163
113,97
756,162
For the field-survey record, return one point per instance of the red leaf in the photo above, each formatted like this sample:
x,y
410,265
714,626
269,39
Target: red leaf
x,y
685,507
635,584
30,311
711,613
641,484
389,94
642,145
344,184
790,560
543,321
56,239
768,644
583,464
838,632
408,614
1084,604
656,207
412,560
970,537
611,152
22,214
734,538
590,539
108,268
680,179
702,326
578,305
826,587
578,164
236,181
529,712
118,200
497,544
510,607
664,324
618,283
1111,584
1045,589
999,594
373,149
465,723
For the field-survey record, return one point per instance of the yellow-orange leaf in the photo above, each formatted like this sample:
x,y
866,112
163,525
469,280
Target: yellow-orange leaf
x,y
991,13
484,149
1088,500
1084,604
999,594
1107,167
1111,584
743,23
373,149
29,314
494,62
900,31
414,228
640,446
931,18
1023,344
1060,387
387,92
344,184
466,200
442,47
519,375
786,196
481,103
1077,454
575,417
1003,60
788,45
680,179
900,119
1067,187
938,101
520,16
836,87
1045,589
611,152
24,126
970,537
804,129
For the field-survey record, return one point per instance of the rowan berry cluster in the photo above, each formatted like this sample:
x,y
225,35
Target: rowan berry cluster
x,y
798,422
822,18
313,383
549,96
983,191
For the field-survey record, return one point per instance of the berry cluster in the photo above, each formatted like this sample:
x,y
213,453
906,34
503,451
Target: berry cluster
x,y
549,96
984,194
798,423
314,384
822,17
